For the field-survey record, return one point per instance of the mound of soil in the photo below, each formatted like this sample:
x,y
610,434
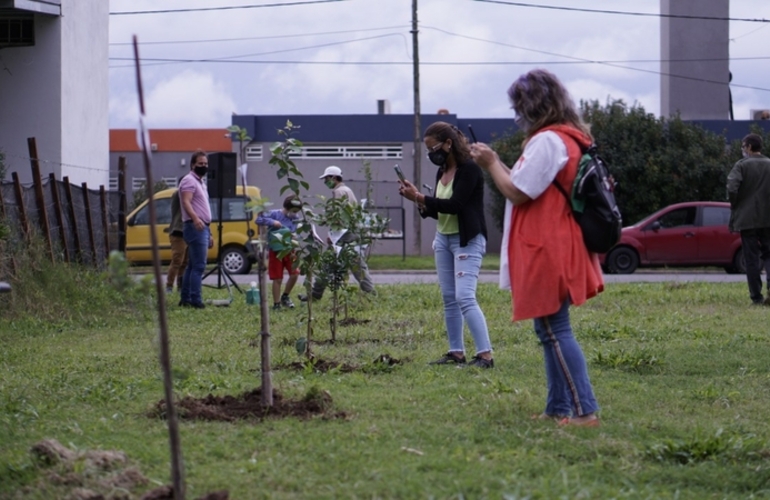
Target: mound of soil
x,y
93,475
248,406
320,366
323,366
353,321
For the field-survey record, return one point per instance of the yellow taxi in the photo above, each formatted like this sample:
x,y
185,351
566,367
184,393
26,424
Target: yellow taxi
x,y
239,230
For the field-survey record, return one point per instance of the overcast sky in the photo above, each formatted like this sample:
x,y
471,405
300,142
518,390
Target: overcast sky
x,y
341,57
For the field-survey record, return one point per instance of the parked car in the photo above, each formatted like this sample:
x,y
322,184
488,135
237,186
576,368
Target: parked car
x,y
239,231
684,234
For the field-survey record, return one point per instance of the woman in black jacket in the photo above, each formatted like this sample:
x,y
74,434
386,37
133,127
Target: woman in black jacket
x,y
461,238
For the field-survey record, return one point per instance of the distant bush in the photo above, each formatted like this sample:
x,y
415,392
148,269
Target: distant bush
x,y
655,161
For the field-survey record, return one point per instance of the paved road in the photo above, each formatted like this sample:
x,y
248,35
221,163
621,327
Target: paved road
x,y
414,277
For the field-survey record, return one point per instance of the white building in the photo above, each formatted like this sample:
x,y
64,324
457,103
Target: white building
x,y
54,86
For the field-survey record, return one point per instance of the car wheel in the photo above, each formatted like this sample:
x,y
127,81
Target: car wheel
x,y
235,261
623,260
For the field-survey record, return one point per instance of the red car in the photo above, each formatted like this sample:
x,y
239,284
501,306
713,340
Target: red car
x,y
684,234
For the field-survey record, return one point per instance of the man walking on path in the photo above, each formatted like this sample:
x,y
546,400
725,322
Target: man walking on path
x,y
748,188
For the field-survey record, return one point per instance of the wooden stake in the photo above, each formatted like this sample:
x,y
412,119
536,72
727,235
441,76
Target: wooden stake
x,y
42,215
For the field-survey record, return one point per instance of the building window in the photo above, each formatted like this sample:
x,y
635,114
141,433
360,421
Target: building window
x,y
113,183
171,182
138,183
254,153
349,151
17,30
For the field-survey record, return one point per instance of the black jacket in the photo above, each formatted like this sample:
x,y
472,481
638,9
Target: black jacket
x,y
467,201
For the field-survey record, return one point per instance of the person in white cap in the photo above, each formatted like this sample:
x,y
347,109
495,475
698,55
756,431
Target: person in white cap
x,y
332,177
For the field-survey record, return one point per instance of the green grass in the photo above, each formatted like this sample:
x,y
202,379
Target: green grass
x,y
680,371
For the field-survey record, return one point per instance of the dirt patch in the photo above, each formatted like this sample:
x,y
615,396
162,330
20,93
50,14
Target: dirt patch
x,y
94,475
353,321
320,366
167,493
382,362
249,406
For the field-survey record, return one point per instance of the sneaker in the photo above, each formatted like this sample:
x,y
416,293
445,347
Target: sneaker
x,y
276,307
286,301
448,359
302,297
198,305
480,362
169,290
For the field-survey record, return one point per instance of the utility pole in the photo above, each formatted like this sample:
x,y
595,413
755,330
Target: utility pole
x,y
416,174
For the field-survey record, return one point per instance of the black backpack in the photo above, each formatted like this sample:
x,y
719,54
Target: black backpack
x,y
593,202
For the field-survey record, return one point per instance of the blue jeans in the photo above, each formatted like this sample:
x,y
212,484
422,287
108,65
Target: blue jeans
x,y
458,273
197,250
569,390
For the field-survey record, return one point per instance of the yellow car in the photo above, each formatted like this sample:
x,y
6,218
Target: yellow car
x,y
239,232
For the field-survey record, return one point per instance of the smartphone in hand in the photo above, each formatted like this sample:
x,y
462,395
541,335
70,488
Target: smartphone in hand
x,y
399,173
473,134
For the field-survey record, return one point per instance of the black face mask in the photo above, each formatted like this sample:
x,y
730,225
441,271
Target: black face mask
x,y
438,157
200,171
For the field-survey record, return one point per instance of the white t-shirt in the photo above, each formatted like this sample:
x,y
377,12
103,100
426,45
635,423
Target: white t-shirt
x,y
542,159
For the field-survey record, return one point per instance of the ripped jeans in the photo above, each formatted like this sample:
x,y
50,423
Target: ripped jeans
x,y
458,273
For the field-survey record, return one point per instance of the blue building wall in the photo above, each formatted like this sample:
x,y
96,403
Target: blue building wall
x,y
400,128
364,128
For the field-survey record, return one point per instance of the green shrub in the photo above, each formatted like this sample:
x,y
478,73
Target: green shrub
x,y
655,161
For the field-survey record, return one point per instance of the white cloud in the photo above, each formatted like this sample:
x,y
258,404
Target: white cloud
x,y
189,99
358,31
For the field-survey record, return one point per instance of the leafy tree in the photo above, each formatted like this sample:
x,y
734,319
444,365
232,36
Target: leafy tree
x,y
243,137
655,161
337,261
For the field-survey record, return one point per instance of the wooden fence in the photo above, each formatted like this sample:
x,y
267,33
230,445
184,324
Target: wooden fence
x,y
75,223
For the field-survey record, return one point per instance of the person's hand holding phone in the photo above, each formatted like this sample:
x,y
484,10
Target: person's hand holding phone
x,y
408,190
399,173
483,155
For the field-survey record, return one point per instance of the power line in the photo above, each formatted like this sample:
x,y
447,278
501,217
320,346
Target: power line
x,y
162,61
231,58
575,60
229,7
625,13
158,61
271,37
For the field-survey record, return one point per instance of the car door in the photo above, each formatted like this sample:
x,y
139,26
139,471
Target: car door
x,y
138,241
235,223
715,239
672,238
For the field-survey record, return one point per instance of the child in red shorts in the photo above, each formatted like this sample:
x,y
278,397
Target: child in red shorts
x,y
278,223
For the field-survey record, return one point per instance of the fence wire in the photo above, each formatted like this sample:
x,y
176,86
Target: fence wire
x,y
69,233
